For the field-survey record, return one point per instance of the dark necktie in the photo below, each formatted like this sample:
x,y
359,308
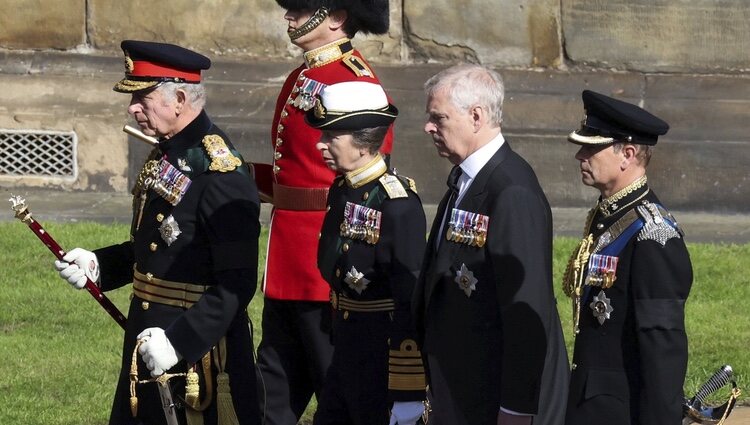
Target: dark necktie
x,y
453,186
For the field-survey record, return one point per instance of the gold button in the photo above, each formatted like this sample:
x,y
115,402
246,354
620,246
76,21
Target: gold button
x,y
600,226
319,235
277,155
345,247
573,366
338,272
366,195
160,217
284,114
328,208
145,305
279,142
276,169
346,315
280,128
290,101
295,89
149,277
153,246
302,77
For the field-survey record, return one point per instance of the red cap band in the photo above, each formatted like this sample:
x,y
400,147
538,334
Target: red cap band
x,y
151,69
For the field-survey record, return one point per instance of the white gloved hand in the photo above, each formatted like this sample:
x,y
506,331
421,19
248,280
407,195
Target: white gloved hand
x,y
77,265
157,351
406,412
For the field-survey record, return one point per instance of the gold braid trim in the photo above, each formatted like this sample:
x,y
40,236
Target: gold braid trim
x,y
573,278
224,407
193,413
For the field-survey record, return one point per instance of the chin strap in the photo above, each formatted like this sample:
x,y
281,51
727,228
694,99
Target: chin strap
x,y
316,19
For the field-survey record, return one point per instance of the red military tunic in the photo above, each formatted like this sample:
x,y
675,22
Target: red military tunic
x,y
300,177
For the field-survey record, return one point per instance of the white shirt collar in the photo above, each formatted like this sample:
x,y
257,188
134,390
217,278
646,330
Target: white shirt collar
x,y
474,162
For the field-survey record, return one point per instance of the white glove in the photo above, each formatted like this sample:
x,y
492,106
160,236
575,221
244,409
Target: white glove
x,y
406,412
77,265
157,351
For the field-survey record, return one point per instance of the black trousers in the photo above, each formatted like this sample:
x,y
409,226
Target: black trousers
x,y
293,357
356,387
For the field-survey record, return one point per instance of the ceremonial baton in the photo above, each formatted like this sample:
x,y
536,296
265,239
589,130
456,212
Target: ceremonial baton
x,y
23,214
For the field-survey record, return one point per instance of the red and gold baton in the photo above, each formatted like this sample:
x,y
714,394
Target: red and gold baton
x,y
23,214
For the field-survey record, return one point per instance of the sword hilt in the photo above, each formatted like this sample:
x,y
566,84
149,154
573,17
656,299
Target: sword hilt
x,y
720,378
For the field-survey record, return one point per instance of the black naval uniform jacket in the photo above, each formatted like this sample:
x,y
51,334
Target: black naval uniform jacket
x,y
376,359
503,345
218,248
631,368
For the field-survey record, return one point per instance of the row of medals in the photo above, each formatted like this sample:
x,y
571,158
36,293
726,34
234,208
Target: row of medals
x,y
365,233
468,236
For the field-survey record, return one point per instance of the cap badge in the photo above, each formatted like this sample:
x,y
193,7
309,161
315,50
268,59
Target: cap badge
x,y
601,307
361,222
320,110
169,230
467,227
466,280
356,280
129,67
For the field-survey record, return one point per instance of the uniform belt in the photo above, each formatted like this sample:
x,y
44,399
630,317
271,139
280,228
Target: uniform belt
x,y
341,302
176,294
299,198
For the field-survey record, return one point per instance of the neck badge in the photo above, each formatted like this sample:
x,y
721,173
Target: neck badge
x,y
468,228
466,280
361,222
356,280
601,307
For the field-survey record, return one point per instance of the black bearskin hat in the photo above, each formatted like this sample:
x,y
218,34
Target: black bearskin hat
x,y
368,16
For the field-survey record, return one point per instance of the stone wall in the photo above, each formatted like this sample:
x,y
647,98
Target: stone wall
x,y
687,61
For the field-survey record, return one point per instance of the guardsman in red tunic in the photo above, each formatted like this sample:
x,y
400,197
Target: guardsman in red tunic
x,y
296,350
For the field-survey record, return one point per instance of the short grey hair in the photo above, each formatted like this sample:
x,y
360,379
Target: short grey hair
x,y
471,85
196,93
369,138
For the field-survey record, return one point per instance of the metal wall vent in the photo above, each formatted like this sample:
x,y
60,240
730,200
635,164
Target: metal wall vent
x,y
38,153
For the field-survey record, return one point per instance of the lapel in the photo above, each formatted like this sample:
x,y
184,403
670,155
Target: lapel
x,y
440,261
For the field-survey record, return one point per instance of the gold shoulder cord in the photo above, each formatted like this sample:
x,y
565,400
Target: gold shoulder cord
x,y
573,278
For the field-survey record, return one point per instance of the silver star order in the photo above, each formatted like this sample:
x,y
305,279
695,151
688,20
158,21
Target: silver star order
x,y
466,280
601,307
356,280
169,230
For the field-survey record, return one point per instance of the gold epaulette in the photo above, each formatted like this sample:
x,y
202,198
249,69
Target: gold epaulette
x,y
405,369
393,186
359,66
222,159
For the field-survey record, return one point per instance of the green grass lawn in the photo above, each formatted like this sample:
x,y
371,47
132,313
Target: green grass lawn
x,y
60,351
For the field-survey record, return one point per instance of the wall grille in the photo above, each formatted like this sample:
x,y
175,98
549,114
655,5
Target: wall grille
x,y
38,153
